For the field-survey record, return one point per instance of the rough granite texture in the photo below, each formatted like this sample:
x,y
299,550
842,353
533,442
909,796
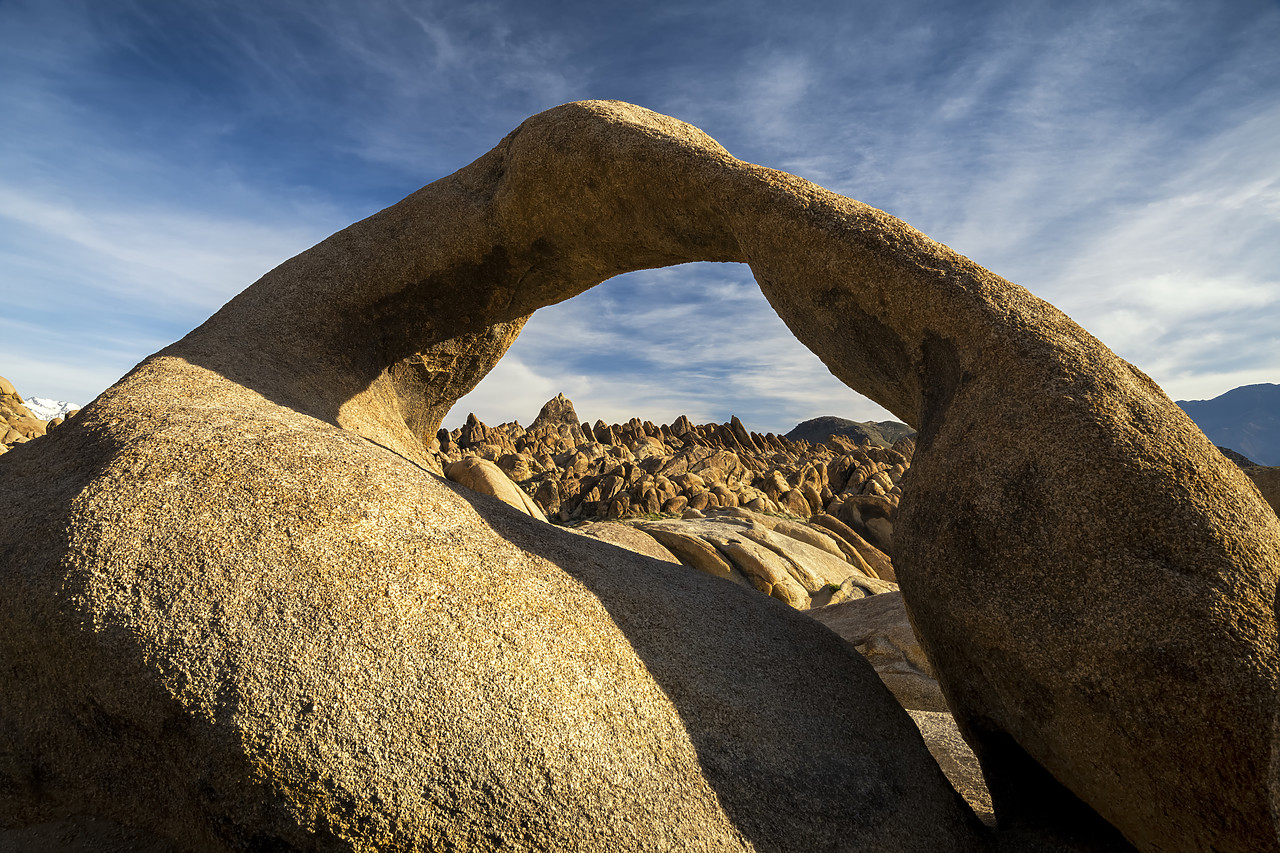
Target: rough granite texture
x,y
956,760
481,475
240,611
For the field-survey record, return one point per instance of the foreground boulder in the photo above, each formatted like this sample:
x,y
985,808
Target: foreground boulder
x,y
238,610
339,650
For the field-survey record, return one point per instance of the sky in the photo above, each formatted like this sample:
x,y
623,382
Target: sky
x,y
1119,159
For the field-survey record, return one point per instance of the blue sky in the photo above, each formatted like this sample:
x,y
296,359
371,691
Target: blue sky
x,y
1120,159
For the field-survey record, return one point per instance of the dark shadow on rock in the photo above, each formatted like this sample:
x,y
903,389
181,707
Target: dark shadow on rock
x,y
756,700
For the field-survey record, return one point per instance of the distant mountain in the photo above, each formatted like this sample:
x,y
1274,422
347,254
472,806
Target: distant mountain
x,y
1245,419
880,433
46,409
1238,458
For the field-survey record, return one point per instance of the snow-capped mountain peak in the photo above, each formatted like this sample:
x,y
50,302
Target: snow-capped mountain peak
x,y
46,409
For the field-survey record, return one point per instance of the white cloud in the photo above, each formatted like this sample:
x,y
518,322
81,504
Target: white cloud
x,y
172,259
66,363
698,340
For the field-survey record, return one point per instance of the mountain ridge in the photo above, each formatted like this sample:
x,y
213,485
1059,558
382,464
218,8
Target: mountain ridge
x,y
1245,419
880,433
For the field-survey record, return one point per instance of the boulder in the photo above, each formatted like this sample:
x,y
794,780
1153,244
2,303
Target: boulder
x,y
626,536
768,572
694,551
339,649
1267,479
483,476
817,537
785,567
675,505
876,559
18,424
813,567
880,629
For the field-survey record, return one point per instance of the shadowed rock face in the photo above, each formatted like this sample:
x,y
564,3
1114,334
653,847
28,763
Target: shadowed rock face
x,y
245,581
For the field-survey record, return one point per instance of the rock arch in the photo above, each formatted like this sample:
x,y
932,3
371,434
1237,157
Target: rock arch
x,y
1061,511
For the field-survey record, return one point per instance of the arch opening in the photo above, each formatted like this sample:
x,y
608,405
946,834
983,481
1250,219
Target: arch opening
x,y
695,339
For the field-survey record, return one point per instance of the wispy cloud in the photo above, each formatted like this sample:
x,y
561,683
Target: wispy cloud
x,y
161,260
698,340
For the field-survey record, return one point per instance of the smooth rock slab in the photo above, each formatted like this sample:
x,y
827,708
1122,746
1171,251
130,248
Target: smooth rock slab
x,y
880,629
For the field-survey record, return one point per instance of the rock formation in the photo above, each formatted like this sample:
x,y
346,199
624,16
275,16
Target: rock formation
x,y
580,472
239,612
879,627
870,616
1266,478
1268,482
557,411
481,475
17,423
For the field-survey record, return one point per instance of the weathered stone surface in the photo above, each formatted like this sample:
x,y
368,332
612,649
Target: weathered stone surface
x,y
957,761
878,626
876,559
813,567
696,552
1268,482
1058,544
17,423
558,411
767,571
82,834
754,547
483,476
365,629
239,611
626,536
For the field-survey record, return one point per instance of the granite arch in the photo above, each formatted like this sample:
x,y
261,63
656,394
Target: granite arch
x,y
1060,506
